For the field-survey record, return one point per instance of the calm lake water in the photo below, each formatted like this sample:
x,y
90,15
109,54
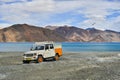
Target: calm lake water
x,y
67,47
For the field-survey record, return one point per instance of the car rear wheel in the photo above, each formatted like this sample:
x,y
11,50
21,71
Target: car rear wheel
x,y
56,58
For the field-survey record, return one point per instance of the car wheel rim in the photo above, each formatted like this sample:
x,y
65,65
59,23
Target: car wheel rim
x,y
40,59
56,57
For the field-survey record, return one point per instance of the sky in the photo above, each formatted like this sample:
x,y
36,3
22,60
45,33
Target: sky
x,y
100,14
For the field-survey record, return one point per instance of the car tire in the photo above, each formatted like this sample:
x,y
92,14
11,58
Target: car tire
x,y
40,59
56,57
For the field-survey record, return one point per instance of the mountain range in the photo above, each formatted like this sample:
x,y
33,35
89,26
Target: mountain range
x,y
30,33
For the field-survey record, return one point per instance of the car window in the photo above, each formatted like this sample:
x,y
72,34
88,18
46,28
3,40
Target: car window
x,y
46,46
37,48
40,48
51,46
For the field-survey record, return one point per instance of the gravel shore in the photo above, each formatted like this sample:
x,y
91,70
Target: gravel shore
x,y
71,66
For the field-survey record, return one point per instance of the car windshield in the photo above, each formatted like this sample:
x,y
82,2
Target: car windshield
x,y
37,48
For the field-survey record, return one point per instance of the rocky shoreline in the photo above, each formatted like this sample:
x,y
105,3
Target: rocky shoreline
x,y
71,66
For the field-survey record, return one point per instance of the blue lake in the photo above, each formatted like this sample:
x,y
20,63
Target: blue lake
x,y
67,47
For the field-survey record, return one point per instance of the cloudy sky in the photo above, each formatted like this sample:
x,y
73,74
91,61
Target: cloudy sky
x,y
101,14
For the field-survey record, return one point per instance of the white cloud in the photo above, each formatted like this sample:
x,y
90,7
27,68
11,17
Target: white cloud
x,y
11,0
40,6
115,24
8,0
97,14
38,11
62,23
2,25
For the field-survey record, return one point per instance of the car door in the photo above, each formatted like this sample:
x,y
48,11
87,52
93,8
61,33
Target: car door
x,y
52,52
49,50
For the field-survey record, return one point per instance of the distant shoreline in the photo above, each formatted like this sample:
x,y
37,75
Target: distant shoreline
x,y
68,47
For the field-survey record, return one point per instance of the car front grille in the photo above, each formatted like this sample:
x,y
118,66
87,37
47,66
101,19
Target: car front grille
x,y
29,55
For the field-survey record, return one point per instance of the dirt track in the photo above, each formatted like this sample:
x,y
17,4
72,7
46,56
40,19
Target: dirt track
x,y
71,66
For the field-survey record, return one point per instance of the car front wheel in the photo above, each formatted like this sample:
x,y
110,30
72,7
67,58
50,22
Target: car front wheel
x,y
40,59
